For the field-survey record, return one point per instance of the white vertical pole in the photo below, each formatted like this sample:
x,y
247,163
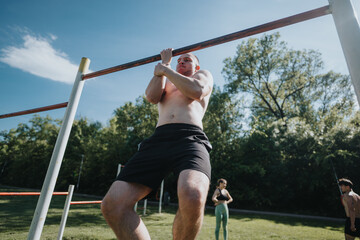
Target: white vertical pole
x,y
47,190
65,212
348,28
161,195
119,169
81,164
135,206
145,205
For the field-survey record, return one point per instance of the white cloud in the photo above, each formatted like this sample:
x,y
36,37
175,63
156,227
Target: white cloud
x,y
53,37
39,58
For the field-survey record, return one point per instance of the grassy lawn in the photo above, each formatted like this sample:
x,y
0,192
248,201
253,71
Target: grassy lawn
x,y
86,222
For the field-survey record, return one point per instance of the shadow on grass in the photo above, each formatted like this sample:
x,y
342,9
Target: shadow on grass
x,y
85,216
291,221
16,212
243,217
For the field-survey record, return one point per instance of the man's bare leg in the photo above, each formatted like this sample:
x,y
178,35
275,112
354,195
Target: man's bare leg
x,y
118,210
193,187
348,237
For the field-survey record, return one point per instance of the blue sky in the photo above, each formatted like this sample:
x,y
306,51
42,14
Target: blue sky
x,y
42,43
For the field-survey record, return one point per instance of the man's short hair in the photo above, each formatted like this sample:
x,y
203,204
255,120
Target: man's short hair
x,y
197,59
345,182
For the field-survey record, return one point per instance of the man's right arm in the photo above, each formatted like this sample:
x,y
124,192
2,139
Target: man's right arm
x,y
155,90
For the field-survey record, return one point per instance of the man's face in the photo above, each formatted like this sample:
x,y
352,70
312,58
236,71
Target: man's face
x,y
344,188
187,65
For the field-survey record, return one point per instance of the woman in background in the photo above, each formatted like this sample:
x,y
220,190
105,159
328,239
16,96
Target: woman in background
x,y
221,198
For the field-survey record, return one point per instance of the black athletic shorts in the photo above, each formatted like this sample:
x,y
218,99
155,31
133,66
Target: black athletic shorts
x,y
173,147
357,226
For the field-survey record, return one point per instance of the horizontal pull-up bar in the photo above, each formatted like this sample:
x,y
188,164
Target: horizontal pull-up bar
x,y
35,110
318,12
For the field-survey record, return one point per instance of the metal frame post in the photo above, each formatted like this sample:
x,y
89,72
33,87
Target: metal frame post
x,y
65,212
348,29
161,195
81,164
118,170
145,205
47,190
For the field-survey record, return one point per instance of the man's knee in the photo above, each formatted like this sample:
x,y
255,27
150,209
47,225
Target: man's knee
x,y
112,205
192,196
108,204
192,190
106,208
121,197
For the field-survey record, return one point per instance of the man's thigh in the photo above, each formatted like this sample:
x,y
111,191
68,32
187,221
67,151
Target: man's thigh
x,y
126,193
192,184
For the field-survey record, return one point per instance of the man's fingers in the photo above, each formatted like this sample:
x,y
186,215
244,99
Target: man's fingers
x,y
167,50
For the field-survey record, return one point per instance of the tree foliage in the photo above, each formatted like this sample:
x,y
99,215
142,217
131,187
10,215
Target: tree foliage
x,y
283,83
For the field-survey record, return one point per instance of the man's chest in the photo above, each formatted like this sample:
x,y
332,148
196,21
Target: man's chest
x,y
173,94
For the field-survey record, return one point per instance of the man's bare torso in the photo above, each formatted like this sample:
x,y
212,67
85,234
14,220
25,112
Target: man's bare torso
x,y
174,107
355,201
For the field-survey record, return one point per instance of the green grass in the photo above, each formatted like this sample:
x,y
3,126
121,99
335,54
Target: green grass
x,y
86,222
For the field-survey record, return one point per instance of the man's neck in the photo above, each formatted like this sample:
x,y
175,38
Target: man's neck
x,y
347,192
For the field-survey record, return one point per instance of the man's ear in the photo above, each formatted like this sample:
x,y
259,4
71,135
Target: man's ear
x,y
197,68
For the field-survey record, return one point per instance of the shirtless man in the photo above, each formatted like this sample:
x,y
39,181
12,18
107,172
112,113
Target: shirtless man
x,y
351,202
178,144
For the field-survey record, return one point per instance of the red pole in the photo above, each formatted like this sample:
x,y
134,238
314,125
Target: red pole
x,y
85,202
35,110
220,40
28,193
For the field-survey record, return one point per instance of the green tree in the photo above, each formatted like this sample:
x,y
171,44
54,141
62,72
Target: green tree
x,y
223,126
117,143
297,116
26,150
282,83
82,137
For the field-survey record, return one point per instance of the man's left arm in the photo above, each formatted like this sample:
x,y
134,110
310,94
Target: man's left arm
x,y
195,87
351,205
